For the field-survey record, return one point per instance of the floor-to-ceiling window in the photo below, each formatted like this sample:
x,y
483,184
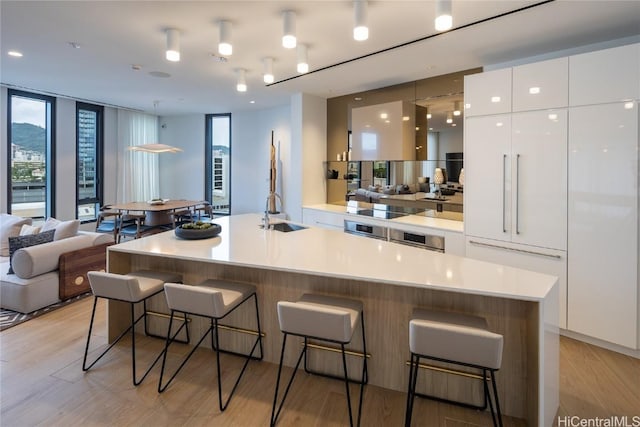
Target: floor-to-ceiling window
x,y
218,162
89,134
31,137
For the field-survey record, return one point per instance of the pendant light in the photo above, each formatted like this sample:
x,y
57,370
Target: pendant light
x,y
449,117
456,108
360,29
444,20
303,64
173,45
289,29
267,76
224,45
241,85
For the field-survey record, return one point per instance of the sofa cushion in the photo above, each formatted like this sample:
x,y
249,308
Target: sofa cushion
x,y
20,242
34,260
64,229
10,226
29,229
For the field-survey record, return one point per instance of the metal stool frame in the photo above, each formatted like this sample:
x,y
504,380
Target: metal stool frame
x,y
131,328
213,328
413,379
364,380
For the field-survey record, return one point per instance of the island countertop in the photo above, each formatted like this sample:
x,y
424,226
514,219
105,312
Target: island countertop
x,y
330,253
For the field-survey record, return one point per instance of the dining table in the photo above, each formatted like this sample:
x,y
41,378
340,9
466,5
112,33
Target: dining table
x,y
157,212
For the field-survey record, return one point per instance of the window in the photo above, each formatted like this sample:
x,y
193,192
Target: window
x,y
31,136
89,157
218,163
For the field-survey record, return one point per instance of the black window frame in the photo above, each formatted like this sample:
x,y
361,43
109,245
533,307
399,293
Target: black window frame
x,y
98,199
208,157
50,193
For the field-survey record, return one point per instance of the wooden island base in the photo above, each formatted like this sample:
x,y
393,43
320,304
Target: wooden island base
x,y
387,309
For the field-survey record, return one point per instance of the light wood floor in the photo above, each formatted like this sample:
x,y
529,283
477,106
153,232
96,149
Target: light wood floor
x,y
42,383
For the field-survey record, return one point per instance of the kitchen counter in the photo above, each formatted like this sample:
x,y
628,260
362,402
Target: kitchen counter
x,y
390,279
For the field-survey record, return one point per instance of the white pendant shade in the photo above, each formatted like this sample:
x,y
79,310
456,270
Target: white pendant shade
x,y
268,71
224,45
289,29
303,64
154,148
173,45
360,29
241,86
444,19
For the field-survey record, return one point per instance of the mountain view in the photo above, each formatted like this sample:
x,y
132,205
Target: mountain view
x,y
29,137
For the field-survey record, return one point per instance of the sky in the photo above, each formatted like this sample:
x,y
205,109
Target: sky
x,y
28,111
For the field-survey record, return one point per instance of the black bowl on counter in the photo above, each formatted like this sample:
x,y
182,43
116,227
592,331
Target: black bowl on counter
x,y
195,233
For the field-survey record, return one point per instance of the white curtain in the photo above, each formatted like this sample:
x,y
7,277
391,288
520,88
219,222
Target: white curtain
x,y
138,171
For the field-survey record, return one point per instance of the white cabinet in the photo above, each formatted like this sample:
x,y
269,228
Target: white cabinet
x,y
487,184
487,93
603,222
541,85
324,219
547,261
604,76
515,178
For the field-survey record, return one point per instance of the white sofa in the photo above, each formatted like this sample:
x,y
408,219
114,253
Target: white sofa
x,y
47,273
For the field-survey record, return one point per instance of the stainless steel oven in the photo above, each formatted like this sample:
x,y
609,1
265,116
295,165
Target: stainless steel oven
x,y
367,230
426,241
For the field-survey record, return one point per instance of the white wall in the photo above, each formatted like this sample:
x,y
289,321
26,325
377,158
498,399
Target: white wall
x,y
182,174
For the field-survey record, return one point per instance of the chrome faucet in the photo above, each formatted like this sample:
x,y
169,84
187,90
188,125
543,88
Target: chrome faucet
x,y
265,219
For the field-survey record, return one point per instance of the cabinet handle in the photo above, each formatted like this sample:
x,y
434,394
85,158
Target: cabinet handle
x,y
518,194
473,242
504,189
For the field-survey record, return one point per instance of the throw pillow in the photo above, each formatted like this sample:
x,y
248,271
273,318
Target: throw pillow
x,y
29,229
10,226
63,229
20,242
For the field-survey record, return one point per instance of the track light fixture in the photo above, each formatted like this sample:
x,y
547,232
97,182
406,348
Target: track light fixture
x,y
360,29
303,64
224,45
444,20
268,70
173,45
289,29
241,86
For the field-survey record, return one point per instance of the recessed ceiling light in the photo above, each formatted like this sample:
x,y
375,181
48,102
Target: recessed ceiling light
x,y
15,53
252,102
357,98
74,45
136,67
160,74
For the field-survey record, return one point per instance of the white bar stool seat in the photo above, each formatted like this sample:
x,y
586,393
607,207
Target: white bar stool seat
x,y
454,338
213,299
325,318
132,288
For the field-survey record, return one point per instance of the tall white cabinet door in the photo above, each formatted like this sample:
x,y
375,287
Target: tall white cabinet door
x,y
541,85
487,93
539,178
603,222
487,177
604,76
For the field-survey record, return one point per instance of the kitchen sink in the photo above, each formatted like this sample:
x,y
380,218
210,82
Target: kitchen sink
x,y
286,227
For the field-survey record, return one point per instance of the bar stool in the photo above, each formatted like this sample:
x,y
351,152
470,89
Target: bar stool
x,y
322,318
213,299
131,288
458,339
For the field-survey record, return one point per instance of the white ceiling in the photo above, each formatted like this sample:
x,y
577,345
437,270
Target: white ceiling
x,y
114,35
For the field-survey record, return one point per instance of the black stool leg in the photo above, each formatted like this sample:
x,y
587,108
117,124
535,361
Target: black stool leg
x,y
346,383
495,395
411,392
274,412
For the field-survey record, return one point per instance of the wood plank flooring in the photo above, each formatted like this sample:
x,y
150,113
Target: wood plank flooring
x,y
42,384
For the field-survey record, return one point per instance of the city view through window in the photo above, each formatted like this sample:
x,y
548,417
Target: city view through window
x,y
30,120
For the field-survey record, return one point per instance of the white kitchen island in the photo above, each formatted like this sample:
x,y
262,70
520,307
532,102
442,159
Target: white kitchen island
x,y
391,280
